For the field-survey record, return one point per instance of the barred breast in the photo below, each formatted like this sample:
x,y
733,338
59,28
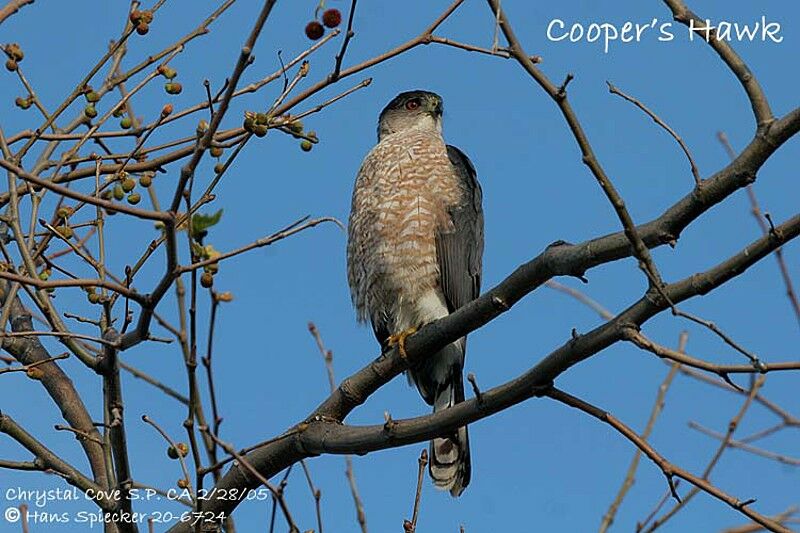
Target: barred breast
x,y
401,196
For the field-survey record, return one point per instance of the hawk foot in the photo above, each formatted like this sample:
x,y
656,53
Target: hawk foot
x,y
399,339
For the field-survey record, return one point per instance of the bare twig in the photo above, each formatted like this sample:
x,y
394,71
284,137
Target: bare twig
x,y
732,443
658,406
327,356
277,493
732,425
755,209
295,227
664,125
315,493
670,471
25,368
410,526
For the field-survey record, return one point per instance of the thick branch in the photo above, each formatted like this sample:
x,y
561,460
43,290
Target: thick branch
x,y
12,7
29,350
319,435
758,100
52,461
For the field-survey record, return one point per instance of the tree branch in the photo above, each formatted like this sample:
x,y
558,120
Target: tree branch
x,y
318,434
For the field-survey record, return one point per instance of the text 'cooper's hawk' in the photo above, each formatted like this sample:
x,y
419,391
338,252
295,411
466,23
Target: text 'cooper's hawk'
x,y
414,253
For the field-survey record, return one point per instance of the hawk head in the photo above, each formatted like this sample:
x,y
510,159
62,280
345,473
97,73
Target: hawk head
x,y
417,110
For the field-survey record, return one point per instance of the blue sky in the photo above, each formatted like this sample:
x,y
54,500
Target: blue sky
x,y
538,466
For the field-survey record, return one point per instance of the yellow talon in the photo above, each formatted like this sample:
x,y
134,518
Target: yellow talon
x,y
400,340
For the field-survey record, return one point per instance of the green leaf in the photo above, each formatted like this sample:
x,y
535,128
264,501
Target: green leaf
x,y
201,222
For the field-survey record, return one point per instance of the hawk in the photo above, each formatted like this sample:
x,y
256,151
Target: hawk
x,y
415,242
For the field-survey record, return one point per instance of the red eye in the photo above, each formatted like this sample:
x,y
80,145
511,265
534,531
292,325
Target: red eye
x,y
411,105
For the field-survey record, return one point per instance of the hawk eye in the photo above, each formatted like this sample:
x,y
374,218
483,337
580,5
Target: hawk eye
x,y
411,105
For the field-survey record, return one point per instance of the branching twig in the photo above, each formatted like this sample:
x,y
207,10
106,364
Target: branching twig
x,y
670,471
658,406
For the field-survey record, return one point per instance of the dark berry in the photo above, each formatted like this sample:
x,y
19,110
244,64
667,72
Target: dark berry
x,y
314,30
332,18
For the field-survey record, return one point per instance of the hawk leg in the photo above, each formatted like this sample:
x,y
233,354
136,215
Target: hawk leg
x,y
399,339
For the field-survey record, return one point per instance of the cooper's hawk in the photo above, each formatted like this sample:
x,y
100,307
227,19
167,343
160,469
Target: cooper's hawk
x,y
414,253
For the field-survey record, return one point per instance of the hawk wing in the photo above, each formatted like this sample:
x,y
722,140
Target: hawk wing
x,y
460,249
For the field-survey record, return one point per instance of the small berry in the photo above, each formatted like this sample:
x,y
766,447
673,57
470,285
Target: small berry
x,y
312,135
147,16
183,483
23,103
202,127
260,130
262,118
173,87
125,123
64,212
306,145
11,65
146,180
314,30
216,151
167,71
207,280
65,231
90,111
296,126
167,109
106,194
332,18
128,184
179,450
118,112
14,52
92,97
248,124
225,297
134,198
93,297
218,168
135,16
119,194
142,28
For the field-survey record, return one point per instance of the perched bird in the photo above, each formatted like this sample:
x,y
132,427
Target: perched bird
x,y
415,243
